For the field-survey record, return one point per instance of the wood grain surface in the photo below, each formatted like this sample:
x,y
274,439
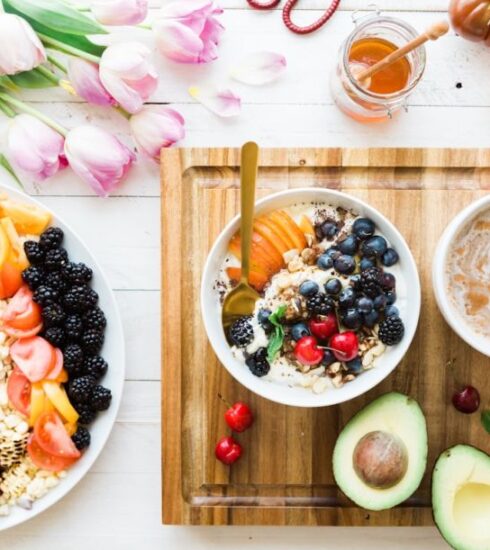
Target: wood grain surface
x,y
285,476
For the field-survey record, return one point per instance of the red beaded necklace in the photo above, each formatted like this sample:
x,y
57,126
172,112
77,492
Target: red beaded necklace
x,y
288,8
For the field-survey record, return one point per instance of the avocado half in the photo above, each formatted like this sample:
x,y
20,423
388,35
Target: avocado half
x,y
461,497
381,454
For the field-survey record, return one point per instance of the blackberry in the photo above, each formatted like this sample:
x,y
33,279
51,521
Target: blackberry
x,y
257,362
86,413
53,315
95,318
73,328
371,281
55,259
101,398
391,331
77,274
81,438
79,299
81,390
56,281
321,304
73,359
241,332
33,276
51,238
91,341
55,336
34,252
45,295
95,366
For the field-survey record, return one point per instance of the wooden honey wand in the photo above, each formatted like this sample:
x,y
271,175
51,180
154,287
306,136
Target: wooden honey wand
x,y
434,32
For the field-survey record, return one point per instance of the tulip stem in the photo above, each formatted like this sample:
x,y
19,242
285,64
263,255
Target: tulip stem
x,y
57,64
68,49
7,110
146,26
47,74
20,106
123,112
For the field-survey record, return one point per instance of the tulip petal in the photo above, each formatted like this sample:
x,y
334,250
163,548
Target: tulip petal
x,y
120,12
221,102
260,68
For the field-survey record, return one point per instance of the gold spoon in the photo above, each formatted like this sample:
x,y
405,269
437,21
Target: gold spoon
x,y
241,300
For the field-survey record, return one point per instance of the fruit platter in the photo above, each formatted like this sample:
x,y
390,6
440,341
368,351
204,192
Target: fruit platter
x,y
62,359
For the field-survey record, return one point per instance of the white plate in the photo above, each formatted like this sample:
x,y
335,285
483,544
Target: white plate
x,y
113,353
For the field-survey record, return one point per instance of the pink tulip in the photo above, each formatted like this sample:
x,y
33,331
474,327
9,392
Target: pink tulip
x,y
98,157
85,79
128,74
20,48
35,147
155,127
120,12
188,31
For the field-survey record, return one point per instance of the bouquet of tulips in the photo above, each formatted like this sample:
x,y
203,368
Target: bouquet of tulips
x,y
47,43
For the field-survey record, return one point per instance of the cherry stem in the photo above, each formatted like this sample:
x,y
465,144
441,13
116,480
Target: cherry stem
x,y
340,352
224,400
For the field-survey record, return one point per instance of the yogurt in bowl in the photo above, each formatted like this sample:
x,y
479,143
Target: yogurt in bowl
x,y
334,317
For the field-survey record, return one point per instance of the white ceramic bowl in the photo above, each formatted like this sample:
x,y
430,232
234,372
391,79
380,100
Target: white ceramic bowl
x,y
113,352
439,277
406,271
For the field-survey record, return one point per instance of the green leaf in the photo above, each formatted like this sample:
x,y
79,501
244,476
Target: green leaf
x,y
277,338
54,15
6,82
8,167
32,80
485,420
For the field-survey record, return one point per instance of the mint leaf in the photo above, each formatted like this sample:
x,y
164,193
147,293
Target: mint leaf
x,y
485,420
277,338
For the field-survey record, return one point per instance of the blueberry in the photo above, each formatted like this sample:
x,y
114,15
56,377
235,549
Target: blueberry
x,y
333,252
390,257
364,305
324,262
345,264
366,263
364,228
371,318
354,366
308,288
380,302
328,358
299,330
333,286
392,311
352,319
347,298
388,281
263,318
349,245
390,297
374,247
355,281
329,229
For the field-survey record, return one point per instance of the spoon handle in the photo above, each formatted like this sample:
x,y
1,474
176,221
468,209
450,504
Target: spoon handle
x,y
248,175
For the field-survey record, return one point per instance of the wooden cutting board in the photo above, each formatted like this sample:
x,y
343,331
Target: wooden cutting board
x,y
285,476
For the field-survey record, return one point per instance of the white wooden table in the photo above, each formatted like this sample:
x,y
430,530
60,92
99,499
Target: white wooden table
x,y
117,506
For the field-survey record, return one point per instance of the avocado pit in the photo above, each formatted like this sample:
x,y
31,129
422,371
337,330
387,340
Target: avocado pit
x,y
380,459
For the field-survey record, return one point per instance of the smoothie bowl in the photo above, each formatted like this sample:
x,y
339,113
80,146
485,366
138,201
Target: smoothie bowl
x,y
340,298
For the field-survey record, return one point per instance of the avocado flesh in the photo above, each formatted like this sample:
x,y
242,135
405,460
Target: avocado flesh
x,y
461,497
396,414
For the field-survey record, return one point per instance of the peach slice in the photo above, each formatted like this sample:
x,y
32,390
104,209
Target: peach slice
x,y
278,231
269,249
306,226
267,233
256,279
259,260
290,227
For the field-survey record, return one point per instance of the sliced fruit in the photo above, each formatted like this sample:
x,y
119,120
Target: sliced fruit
x,y
70,428
57,395
34,356
234,248
17,333
19,391
291,227
57,367
38,398
62,377
4,246
44,460
268,249
18,254
258,257
265,231
27,218
22,312
306,226
279,231
461,497
52,437
257,280
381,454
10,280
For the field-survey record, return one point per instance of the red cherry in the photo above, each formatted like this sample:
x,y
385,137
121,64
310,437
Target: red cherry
x,y
307,351
228,450
239,417
345,346
325,327
466,400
